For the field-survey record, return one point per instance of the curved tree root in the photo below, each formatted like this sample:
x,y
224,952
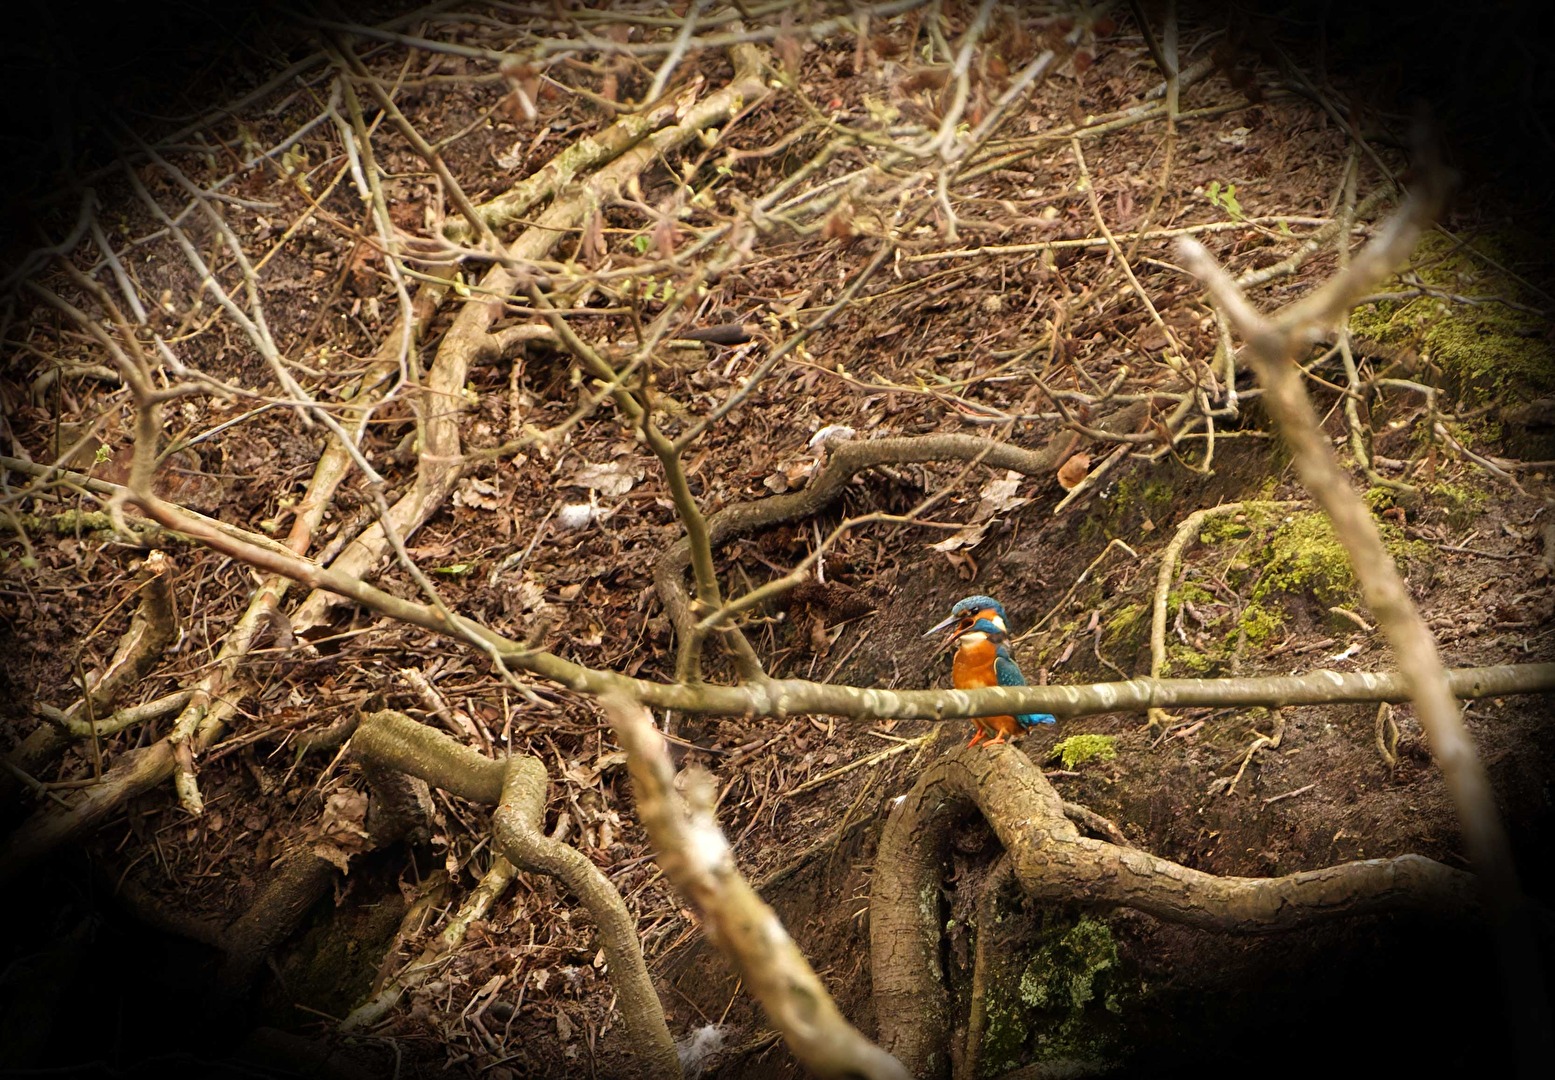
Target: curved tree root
x,y
1054,863
400,808
518,823
297,884
393,740
999,879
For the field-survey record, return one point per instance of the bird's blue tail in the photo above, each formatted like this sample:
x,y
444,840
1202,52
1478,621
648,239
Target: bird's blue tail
x,y
1033,719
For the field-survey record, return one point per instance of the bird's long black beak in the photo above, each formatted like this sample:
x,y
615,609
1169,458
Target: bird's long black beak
x,y
937,627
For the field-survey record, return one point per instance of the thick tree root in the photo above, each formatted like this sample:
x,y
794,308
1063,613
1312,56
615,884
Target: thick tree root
x,y
298,883
1052,862
400,808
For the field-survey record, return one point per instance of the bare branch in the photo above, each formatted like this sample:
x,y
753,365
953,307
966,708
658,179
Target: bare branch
x,y
1274,346
697,858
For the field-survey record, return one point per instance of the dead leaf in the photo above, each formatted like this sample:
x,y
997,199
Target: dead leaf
x,y
1071,472
524,80
482,494
345,815
791,477
528,593
342,831
666,237
611,479
839,226
591,244
998,497
686,100
969,537
576,516
609,761
966,566
360,277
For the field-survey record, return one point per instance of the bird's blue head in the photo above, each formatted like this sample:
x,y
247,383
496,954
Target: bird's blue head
x,y
968,610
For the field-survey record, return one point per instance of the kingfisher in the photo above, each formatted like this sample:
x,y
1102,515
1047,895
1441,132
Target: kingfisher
x,y
983,658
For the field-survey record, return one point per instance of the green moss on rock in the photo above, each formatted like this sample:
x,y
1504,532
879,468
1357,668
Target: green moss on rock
x,y
1461,504
1258,624
1127,626
1063,974
1184,662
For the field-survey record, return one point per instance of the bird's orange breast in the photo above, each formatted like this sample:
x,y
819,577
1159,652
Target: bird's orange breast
x,y
973,667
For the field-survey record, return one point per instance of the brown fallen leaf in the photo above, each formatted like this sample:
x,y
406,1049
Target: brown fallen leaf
x,y
1071,472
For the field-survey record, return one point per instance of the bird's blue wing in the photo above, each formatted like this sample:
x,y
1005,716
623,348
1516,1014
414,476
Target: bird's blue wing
x,y
1009,674
1005,668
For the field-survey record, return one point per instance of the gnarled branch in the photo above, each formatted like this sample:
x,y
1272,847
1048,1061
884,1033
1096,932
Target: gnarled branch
x,y
393,740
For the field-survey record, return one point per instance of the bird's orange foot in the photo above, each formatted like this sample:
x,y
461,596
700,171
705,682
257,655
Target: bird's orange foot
x,y
997,740
977,738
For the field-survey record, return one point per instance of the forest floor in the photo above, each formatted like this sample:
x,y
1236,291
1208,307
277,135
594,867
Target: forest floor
x,y
942,341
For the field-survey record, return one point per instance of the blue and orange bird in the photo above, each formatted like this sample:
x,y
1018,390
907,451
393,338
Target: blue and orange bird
x,y
983,659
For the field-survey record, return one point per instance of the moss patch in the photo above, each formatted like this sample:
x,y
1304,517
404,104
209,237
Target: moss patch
x,y
1127,626
1078,749
1064,973
1267,559
1004,1033
1460,503
1305,557
1185,662
1258,623
1058,1001
1123,510
1486,349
